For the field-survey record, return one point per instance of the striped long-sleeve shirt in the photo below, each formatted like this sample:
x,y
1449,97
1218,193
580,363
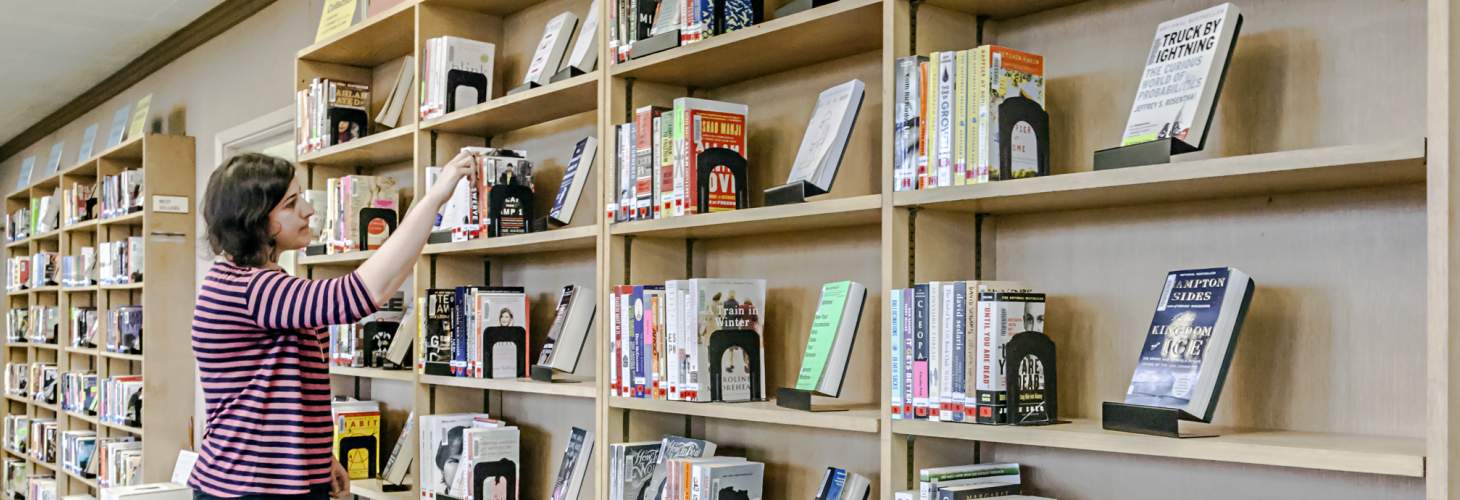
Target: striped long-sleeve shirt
x,y
259,337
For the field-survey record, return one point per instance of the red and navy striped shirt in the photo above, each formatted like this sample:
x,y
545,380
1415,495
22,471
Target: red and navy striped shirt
x,y
259,337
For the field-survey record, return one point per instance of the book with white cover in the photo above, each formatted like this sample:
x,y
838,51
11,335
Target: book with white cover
x,y
584,55
575,177
1183,77
550,48
826,135
574,466
564,344
395,103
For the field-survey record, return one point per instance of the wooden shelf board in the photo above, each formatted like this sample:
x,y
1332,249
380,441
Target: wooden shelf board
x,y
494,7
582,388
83,480
83,351
131,219
82,417
48,347
123,286
53,408
46,289
811,215
335,259
568,238
1319,169
130,150
815,35
382,148
86,224
17,243
80,289
43,464
76,170
48,182
116,355
18,399
375,373
18,293
855,420
371,489
120,427
1001,9
1338,452
388,35
14,453
54,234
540,105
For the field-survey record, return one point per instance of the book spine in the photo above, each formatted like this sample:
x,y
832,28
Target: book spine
x,y
935,350
946,74
665,205
920,350
691,345
981,97
671,339
960,118
930,173
636,319
904,83
653,321
958,387
907,312
626,360
615,344
676,134
895,314
946,335
987,355
970,352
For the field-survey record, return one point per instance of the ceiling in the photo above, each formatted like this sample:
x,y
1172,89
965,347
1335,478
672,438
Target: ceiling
x,y
60,48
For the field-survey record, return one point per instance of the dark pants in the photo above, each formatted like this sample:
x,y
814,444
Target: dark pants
x,y
316,492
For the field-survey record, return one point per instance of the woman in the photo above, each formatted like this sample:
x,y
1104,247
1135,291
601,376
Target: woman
x,y
259,334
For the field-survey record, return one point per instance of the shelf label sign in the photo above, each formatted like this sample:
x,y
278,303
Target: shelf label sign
x,y
170,204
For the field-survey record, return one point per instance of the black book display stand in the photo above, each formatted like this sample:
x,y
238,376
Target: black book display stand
x,y
1146,153
565,74
544,373
796,399
795,192
655,44
1140,419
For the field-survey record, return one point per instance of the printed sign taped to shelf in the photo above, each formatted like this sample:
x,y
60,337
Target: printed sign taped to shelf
x,y
170,204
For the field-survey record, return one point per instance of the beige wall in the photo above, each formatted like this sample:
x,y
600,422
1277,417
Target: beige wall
x,y
237,76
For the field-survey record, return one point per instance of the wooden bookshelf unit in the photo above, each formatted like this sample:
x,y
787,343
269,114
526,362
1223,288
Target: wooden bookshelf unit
x,y
1326,177
167,164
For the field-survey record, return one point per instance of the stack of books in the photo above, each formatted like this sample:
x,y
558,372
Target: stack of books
x,y
683,160
961,482
328,113
456,73
474,332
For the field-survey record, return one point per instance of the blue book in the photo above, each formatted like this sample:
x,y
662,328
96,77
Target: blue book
x,y
1189,346
831,487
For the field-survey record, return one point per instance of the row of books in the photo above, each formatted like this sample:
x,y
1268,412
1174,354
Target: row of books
x,y
45,212
41,443
118,262
109,263
358,212
119,400
499,204
13,478
77,449
683,160
329,112
118,461
469,456
474,332
18,224
968,117
41,486
85,326
357,436
949,341
36,381
34,324
963,482
121,193
689,340
368,342
680,467
641,27
77,202
79,392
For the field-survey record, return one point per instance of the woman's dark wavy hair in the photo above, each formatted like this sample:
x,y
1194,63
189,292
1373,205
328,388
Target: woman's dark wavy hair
x,y
236,207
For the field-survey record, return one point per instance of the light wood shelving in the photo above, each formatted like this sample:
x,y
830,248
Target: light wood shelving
x,y
1294,184
167,163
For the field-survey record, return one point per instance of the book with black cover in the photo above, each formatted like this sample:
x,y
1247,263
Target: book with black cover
x,y
509,206
435,351
348,112
1189,346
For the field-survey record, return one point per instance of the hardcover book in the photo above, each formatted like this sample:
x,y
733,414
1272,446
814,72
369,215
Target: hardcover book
x,y
574,466
550,49
1183,77
730,325
1189,346
443,444
1001,315
115,134
436,321
635,468
675,447
503,323
1012,126
357,442
569,331
347,112
700,126
907,122
833,330
575,177
732,480
825,140
491,464
584,56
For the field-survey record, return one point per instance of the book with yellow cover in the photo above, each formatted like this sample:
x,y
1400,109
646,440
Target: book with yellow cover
x,y
357,442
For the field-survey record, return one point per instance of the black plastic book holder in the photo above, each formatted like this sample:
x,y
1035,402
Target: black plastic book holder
x,y
795,192
1151,420
544,373
796,399
565,74
654,44
1146,153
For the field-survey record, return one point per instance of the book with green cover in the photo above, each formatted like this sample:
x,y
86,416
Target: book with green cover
x,y
829,345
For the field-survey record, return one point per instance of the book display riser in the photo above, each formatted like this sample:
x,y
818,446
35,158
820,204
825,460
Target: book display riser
x,y
167,166
1324,201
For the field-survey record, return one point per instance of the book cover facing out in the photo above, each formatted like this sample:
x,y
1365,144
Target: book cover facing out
x,y
1190,342
823,334
502,313
1032,379
731,323
357,443
1183,77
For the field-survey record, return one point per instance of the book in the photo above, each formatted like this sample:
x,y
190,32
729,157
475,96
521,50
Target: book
x,y
894,315
921,349
729,322
88,144
976,368
502,325
491,463
584,56
1183,77
975,489
943,122
645,167
930,479
27,167
1189,346
438,308
829,344
961,91
569,331
1013,128
117,131
550,49
398,465
575,177
632,468
136,125
395,101
825,140
708,137
832,484
53,161
574,466
357,441
1032,374
509,198
730,480
907,121
338,15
